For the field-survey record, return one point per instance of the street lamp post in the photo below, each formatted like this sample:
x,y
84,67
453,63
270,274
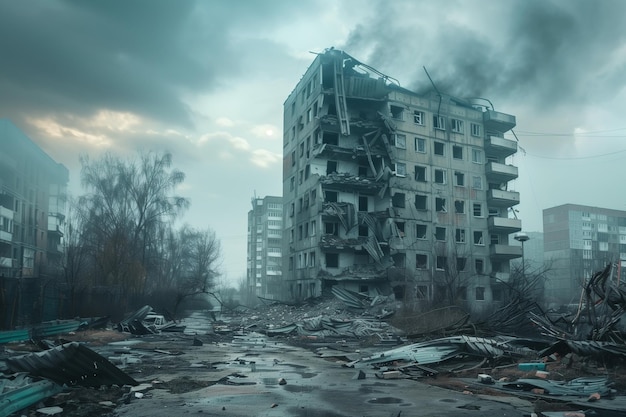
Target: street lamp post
x,y
522,237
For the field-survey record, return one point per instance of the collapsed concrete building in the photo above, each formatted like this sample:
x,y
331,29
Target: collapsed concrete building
x,y
389,191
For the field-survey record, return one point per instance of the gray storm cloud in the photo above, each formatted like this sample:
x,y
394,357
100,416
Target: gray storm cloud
x,y
546,52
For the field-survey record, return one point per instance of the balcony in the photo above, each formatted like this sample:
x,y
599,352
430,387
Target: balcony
x,y
500,173
498,122
500,147
502,198
504,225
501,252
6,236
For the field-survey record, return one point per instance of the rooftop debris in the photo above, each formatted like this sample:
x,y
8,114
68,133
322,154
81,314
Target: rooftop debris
x,y
440,350
146,321
581,387
71,364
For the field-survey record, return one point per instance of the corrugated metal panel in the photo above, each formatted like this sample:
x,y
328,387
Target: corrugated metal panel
x,y
71,364
14,336
22,397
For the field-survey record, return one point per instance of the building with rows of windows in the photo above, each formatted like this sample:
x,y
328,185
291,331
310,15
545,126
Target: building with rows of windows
x,y
389,191
33,192
265,225
579,241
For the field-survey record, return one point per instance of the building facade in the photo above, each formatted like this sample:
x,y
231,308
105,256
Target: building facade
x,y
386,190
33,192
264,266
579,241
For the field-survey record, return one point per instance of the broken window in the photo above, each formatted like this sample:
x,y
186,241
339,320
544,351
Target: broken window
x,y
313,227
477,209
475,129
440,233
292,209
362,171
459,206
399,169
439,148
457,152
399,260
478,238
439,122
420,145
312,258
400,141
477,182
313,196
398,200
331,196
301,149
307,171
363,203
421,261
331,167
331,228
397,112
300,232
479,265
442,262
420,202
459,179
293,158
420,173
460,264
292,183
306,229
457,125
480,293
421,292
460,236
440,176
420,231
400,227
363,230
330,138
332,260
418,117
440,204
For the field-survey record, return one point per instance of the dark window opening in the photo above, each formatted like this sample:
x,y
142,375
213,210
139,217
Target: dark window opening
x,y
459,206
363,230
439,148
479,266
421,261
331,167
331,228
442,262
457,152
460,264
398,200
420,174
440,233
331,196
480,293
332,260
362,203
330,138
420,202
420,231
440,204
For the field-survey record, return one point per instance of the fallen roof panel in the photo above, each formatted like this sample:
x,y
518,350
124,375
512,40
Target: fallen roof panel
x,y
71,364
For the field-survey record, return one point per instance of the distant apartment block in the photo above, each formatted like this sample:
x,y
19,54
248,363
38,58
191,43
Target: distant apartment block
x,y
265,224
581,240
389,191
33,192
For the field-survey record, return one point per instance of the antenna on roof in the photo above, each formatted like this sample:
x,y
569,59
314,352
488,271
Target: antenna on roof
x,y
436,89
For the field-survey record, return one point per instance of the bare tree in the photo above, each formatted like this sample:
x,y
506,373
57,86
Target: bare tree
x,y
127,202
200,263
74,264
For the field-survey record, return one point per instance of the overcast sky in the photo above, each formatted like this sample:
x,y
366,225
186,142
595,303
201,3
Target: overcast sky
x,y
206,80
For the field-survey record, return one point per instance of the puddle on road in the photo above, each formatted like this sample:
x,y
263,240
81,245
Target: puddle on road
x,y
385,400
300,388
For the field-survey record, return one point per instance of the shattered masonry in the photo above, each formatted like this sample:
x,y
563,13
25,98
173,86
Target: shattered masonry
x,y
381,183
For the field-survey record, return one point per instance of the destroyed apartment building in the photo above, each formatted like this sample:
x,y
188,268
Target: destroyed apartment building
x,y
389,191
